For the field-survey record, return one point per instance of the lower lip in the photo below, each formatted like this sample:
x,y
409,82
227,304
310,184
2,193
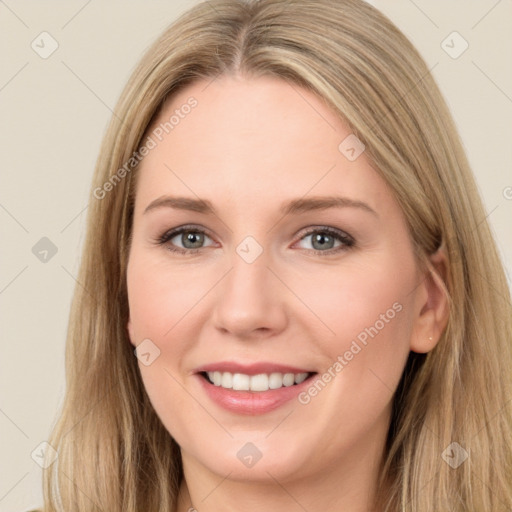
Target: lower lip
x,y
252,402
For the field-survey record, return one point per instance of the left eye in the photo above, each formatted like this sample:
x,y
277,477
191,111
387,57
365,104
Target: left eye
x,y
325,240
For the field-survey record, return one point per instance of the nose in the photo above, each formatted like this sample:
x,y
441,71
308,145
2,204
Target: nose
x,y
250,301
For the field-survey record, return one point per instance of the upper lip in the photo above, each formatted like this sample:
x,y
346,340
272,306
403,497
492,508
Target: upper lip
x,y
250,368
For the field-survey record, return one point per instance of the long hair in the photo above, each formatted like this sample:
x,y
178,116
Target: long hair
x,y
113,451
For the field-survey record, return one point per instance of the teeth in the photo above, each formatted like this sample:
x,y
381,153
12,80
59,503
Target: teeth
x,y
241,382
288,379
227,380
260,382
215,377
275,380
300,377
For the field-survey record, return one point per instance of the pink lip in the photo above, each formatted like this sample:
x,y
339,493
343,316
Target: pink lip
x,y
250,368
251,402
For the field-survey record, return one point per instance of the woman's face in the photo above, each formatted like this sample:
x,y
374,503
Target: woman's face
x,y
266,251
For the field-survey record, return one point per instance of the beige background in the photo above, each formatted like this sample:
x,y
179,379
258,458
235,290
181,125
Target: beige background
x,y
54,112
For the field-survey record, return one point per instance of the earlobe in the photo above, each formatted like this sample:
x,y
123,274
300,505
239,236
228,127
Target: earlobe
x,y
433,305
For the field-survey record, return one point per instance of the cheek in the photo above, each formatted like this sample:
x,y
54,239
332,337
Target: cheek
x,y
365,314
370,309
166,305
356,296
160,298
160,304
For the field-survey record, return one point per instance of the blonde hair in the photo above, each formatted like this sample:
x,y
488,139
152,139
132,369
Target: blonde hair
x,y
114,452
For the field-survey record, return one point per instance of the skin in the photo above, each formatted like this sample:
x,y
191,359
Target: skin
x,y
250,145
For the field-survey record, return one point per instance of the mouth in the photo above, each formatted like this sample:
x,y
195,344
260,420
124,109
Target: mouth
x,y
252,389
258,383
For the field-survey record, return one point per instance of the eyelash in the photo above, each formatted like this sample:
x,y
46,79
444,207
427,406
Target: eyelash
x,y
346,240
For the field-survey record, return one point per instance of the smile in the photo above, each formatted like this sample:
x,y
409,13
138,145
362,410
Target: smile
x,y
254,388
260,382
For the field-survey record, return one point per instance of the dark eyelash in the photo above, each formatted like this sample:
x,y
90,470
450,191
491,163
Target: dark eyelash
x,y
347,241
168,235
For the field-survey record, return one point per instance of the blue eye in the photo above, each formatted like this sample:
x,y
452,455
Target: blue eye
x,y
185,239
321,241
327,240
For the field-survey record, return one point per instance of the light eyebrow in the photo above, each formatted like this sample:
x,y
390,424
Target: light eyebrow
x,y
296,206
322,203
181,203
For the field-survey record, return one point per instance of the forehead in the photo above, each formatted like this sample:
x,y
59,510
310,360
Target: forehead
x,y
252,138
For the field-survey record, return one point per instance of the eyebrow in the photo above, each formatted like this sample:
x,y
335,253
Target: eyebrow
x,y
295,206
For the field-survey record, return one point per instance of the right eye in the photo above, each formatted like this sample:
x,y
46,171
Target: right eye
x,y
185,239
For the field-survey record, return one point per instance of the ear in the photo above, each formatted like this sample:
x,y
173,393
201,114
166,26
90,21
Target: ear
x,y
432,304
131,334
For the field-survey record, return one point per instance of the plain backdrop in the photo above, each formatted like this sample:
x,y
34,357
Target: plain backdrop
x,y
54,112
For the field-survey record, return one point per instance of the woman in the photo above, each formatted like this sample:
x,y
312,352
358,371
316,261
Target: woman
x,y
285,230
